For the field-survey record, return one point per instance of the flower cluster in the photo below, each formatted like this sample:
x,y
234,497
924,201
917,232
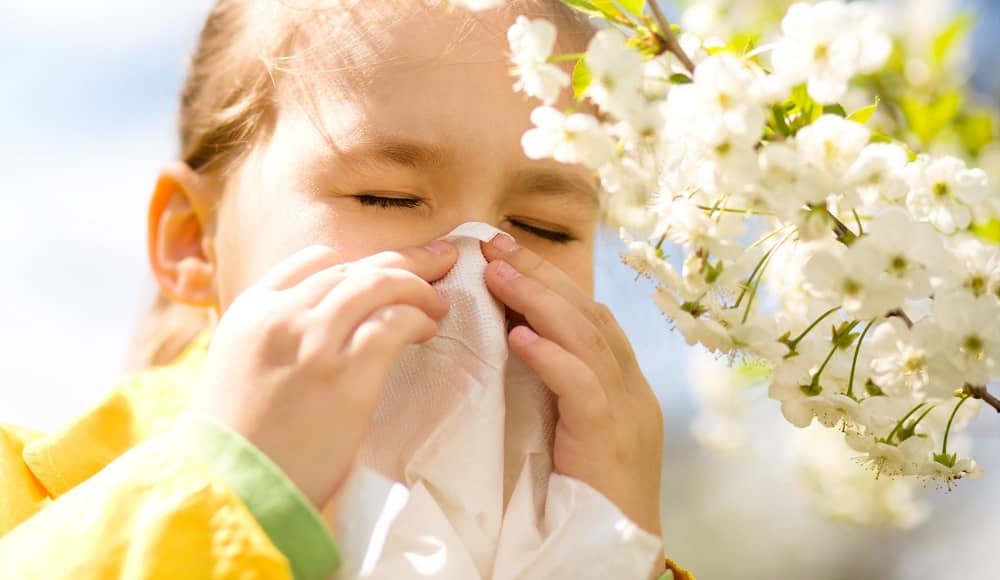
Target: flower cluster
x,y
803,239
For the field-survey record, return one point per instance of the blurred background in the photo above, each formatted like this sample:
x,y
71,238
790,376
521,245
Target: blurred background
x,y
89,100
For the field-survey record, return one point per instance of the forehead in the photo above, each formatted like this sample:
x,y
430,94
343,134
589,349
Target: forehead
x,y
404,81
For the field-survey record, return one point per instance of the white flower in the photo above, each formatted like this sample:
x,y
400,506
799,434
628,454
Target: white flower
x,y
578,138
476,5
906,458
645,259
799,408
831,146
616,72
531,43
719,108
877,174
950,469
804,397
969,326
786,182
978,268
688,319
906,248
826,44
943,192
911,360
868,22
855,279
687,224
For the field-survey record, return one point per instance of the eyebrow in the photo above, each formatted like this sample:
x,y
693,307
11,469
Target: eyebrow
x,y
376,154
554,182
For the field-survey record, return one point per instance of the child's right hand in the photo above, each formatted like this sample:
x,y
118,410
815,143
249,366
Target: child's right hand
x,y
298,360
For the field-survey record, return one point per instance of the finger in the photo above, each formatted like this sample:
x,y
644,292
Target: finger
x,y
583,401
428,264
553,317
378,341
291,270
364,291
531,264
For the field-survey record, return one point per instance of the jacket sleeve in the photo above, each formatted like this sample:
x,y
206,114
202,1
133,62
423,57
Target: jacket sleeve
x,y
195,501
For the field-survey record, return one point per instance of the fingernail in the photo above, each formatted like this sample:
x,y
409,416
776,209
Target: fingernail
x,y
506,271
439,247
504,243
528,335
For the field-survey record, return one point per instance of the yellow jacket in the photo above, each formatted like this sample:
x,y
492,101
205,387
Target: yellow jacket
x,y
135,488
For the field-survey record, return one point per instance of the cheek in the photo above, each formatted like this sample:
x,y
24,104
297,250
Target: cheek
x,y
255,233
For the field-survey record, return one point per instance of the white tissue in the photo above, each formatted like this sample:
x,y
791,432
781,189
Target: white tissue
x,y
454,479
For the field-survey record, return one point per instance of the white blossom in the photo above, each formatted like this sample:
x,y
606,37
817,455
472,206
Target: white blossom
x,y
577,138
616,73
877,174
830,146
531,43
969,327
944,192
718,108
855,279
812,244
827,43
911,360
476,5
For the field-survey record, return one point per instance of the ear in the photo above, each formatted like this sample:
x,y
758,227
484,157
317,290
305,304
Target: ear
x,y
179,243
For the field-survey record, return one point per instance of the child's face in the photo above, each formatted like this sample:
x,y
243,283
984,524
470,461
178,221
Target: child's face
x,y
436,122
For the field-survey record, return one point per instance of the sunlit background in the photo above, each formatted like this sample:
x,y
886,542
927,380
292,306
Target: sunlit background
x,y
88,99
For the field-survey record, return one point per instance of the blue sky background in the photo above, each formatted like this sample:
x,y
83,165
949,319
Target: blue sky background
x,y
89,97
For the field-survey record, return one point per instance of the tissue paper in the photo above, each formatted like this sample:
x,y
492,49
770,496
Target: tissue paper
x,y
454,480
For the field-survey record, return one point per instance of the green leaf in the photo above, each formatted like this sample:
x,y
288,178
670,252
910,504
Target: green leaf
x,y
927,120
634,7
600,9
581,78
585,7
834,109
977,130
950,38
780,125
864,114
802,109
680,79
989,231
739,44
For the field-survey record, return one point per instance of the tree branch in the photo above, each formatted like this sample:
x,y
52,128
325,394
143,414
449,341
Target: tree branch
x,y
980,392
668,36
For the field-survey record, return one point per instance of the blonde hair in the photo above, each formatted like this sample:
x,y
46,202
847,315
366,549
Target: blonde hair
x,y
228,103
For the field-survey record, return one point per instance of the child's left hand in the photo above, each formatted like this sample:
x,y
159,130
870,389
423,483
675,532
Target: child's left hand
x,y
610,429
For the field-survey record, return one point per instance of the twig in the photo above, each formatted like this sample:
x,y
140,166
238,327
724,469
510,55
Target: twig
x,y
980,392
668,36
898,313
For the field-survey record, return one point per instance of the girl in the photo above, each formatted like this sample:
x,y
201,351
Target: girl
x,y
325,146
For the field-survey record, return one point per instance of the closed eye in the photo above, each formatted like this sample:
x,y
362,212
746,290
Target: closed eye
x,y
412,203
551,235
388,202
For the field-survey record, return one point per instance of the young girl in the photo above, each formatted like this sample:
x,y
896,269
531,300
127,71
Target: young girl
x,y
325,147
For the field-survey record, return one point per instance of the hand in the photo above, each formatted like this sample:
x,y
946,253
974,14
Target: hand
x,y
610,429
298,360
